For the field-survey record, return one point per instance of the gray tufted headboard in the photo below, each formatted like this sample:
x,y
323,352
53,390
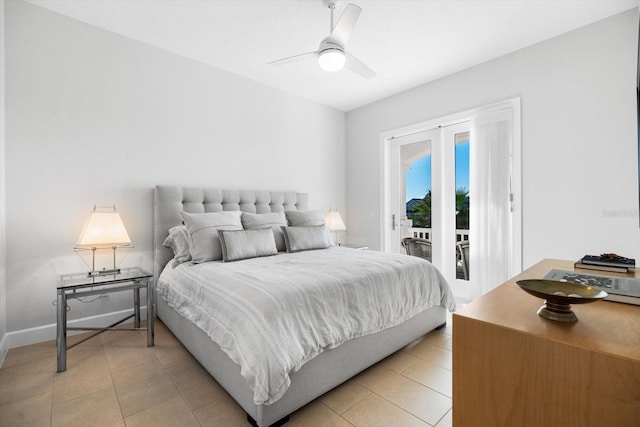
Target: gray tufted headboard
x,y
169,201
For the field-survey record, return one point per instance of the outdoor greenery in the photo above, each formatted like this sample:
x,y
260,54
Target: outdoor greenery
x,y
420,213
462,208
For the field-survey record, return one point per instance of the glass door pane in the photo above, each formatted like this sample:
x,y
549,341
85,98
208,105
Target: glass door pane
x,y
462,204
416,161
410,183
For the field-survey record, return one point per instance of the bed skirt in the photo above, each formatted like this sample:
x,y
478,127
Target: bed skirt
x,y
326,371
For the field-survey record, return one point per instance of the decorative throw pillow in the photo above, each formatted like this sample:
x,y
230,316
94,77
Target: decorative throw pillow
x,y
178,241
204,242
243,244
273,220
306,238
304,218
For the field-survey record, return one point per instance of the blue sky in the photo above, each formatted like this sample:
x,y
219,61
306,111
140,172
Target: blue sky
x,y
419,176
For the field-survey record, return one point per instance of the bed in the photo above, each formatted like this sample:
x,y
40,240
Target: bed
x,y
311,372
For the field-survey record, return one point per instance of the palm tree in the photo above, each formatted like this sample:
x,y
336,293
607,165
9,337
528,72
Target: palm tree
x,y
462,208
421,215
421,212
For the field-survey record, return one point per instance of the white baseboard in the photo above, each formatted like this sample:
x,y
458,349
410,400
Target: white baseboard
x,y
48,332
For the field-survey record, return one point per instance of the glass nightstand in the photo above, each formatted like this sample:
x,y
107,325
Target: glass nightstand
x,y
80,285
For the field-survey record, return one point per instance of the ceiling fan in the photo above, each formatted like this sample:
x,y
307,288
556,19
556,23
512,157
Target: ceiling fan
x,y
332,55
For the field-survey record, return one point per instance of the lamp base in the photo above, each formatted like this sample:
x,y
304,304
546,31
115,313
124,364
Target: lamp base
x,y
103,272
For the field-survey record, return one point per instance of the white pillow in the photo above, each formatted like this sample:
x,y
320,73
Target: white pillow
x,y
273,220
178,241
306,238
243,244
204,243
304,218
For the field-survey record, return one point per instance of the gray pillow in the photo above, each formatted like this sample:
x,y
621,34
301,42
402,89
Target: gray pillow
x,y
243,244
178,241
304,218
273,220
306,238
204,242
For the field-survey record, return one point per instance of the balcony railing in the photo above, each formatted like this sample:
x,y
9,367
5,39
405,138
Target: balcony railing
x,y
425,233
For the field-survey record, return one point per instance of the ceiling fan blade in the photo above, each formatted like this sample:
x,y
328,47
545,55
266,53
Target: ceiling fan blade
x,y
345,25
294,58
358,67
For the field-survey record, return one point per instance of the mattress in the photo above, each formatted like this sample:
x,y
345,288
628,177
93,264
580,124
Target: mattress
x,y
271,315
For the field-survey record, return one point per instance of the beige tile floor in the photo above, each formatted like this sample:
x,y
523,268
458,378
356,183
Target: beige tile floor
x,y
114,380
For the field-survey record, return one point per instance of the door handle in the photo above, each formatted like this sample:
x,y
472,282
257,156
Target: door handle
x,y
393,222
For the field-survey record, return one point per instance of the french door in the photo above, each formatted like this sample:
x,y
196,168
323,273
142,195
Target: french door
x,y
469,165
429,192
412,153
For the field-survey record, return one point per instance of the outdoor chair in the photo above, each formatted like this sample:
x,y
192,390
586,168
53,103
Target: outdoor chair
x,y
462,249
417,247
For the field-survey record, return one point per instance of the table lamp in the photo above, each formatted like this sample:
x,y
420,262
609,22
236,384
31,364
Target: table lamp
x,y
334,223
103,230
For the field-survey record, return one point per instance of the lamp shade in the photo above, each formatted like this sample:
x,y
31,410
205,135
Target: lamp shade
x,y
334,221
331,59
104,229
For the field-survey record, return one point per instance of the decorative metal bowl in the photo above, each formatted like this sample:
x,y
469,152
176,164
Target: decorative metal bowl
x,y
559,296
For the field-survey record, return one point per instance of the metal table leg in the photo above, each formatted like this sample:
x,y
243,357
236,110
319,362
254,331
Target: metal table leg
x,y
136,308
61,333
150,312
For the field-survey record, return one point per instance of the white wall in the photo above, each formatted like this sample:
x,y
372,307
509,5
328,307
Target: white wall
x,y
93,117
3,258
579,141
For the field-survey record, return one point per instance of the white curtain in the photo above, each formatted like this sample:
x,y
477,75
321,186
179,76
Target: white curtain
x,y
491,252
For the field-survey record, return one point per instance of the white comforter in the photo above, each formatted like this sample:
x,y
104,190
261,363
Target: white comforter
x,y
273,314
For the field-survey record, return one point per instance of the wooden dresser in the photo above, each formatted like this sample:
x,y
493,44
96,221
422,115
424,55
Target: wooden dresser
x,y
511,367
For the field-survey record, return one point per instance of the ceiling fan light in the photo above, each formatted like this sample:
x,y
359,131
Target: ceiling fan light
x,y
331,59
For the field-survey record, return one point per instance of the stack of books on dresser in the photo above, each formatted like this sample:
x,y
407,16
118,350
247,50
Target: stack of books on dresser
x,y
607,262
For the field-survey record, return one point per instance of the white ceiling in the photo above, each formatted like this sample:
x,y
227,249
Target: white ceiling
x,y
407,42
